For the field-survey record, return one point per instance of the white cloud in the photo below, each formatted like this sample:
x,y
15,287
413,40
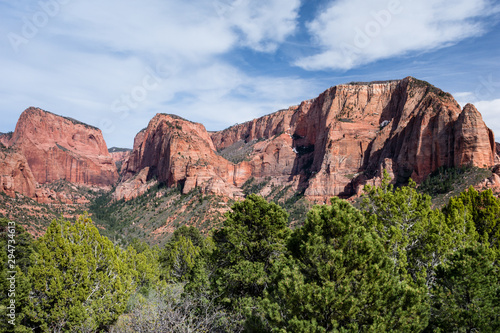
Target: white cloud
x,y
463,96
263,24
351,33
187,28
217,95
114,64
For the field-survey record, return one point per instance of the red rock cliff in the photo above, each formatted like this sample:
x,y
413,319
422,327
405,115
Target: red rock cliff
x,y
15,174
331,145
475,143
62,148
177,152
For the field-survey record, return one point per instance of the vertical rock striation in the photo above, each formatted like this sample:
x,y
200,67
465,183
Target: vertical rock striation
x,y
63,148
330,145
46,148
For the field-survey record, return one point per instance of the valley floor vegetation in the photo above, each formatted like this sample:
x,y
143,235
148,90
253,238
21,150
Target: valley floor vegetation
x,y
396,264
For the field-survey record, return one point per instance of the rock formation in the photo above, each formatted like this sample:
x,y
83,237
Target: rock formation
x,y
63,148
15,174
46,148
119,156
5,138
178,152
475,143
330,145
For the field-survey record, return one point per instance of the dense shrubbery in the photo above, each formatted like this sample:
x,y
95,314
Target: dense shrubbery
x,y
396,264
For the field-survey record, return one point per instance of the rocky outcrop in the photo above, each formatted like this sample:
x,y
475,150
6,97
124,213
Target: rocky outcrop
x,y
179,153
63,148
119,156
16,178
135,186
15,174
331,145
475,143
5,138
46,148
263,127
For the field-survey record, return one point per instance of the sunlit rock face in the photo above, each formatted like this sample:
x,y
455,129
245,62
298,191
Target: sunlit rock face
x,y
331,145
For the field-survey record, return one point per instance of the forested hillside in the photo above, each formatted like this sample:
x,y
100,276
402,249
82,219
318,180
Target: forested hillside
x,y
395,264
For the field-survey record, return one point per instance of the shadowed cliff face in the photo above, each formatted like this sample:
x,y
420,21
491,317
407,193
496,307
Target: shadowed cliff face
x,y
331,145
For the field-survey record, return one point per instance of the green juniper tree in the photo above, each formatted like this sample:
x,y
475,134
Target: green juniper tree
x,y
340,279
414,234
185,250
476,215
178,259
252,238
144,262
78,278
466,297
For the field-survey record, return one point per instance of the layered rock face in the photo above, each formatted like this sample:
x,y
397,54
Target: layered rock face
x,y
178,152
472,137
46,148
63,148
15,174
331,145
119,156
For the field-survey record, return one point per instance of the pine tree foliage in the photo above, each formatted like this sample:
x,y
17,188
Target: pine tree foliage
x,y
396,265
340,279
252,238
78,278
466,297
180,255
144,262
415,235
479,215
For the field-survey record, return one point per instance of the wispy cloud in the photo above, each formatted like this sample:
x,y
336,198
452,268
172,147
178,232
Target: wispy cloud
x,y
114,64
351,33
263,24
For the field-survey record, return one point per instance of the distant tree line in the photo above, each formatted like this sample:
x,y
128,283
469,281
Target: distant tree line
x,y
396,264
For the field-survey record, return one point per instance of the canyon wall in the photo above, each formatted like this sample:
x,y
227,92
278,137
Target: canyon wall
x,y
330,145
45,148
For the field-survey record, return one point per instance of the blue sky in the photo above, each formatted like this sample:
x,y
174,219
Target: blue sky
x,y
114,64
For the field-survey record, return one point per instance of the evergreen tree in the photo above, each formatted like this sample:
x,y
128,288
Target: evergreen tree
x,y
478,214
340,279
79,279
144,262
415,235
466,297
178,259
182,252
252,238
